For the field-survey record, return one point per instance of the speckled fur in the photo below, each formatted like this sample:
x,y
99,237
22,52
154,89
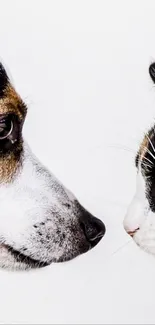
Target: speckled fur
x,y
39,215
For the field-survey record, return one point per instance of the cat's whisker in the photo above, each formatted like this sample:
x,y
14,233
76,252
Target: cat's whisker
x,y
148,160
119,146
148,151
146,165
150,142
120,248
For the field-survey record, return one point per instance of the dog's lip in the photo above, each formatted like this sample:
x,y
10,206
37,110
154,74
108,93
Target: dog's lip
x,y
22,258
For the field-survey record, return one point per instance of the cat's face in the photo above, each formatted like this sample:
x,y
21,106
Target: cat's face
x,y
140,219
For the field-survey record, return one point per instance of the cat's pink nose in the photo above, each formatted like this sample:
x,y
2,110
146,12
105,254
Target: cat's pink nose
x,y
133,232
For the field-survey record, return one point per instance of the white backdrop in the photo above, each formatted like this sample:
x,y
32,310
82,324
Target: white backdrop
x,y
82,68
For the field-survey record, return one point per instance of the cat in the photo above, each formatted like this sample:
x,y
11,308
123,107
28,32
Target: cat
x,y
139,221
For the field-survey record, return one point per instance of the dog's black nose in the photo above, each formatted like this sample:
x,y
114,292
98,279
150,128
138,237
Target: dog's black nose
x,y
94,229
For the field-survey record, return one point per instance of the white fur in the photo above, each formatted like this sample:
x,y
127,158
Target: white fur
x,y
139,215
36,196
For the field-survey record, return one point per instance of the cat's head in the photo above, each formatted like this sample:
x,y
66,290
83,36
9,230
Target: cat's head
x,y
140,219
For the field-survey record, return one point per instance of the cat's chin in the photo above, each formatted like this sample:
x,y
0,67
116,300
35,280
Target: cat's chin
x,y
145,239
144,235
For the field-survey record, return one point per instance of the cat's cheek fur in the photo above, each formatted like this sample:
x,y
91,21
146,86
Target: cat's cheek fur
x,y
138,207
145,237
139,215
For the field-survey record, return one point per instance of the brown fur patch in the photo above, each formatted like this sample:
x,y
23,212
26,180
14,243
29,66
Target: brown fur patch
x,y
10,163
143,147
12,103
8,168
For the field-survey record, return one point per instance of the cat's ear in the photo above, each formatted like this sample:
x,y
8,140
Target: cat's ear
x,y
152,71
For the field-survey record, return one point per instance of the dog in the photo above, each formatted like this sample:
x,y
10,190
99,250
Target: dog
x,y
41,221
139,221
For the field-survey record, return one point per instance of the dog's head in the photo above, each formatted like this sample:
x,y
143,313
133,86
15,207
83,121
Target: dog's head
x,y
40,220
140,219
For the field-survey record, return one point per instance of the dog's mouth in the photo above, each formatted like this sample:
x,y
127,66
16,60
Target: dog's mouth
x,y
24,260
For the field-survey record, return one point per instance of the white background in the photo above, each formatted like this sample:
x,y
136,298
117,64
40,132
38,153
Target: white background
x,y
82,68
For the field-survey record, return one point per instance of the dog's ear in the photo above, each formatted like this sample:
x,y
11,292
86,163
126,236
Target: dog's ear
x,y
10,101
152,71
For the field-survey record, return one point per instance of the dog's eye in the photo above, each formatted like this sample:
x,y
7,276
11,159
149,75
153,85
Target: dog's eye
x,y
6,127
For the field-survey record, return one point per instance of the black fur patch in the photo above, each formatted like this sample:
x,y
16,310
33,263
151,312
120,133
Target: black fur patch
x,y
4,80
13,141
148,169
152,71
137,159
22,258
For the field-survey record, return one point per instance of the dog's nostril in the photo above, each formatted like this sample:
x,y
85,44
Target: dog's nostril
x,y
94,229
